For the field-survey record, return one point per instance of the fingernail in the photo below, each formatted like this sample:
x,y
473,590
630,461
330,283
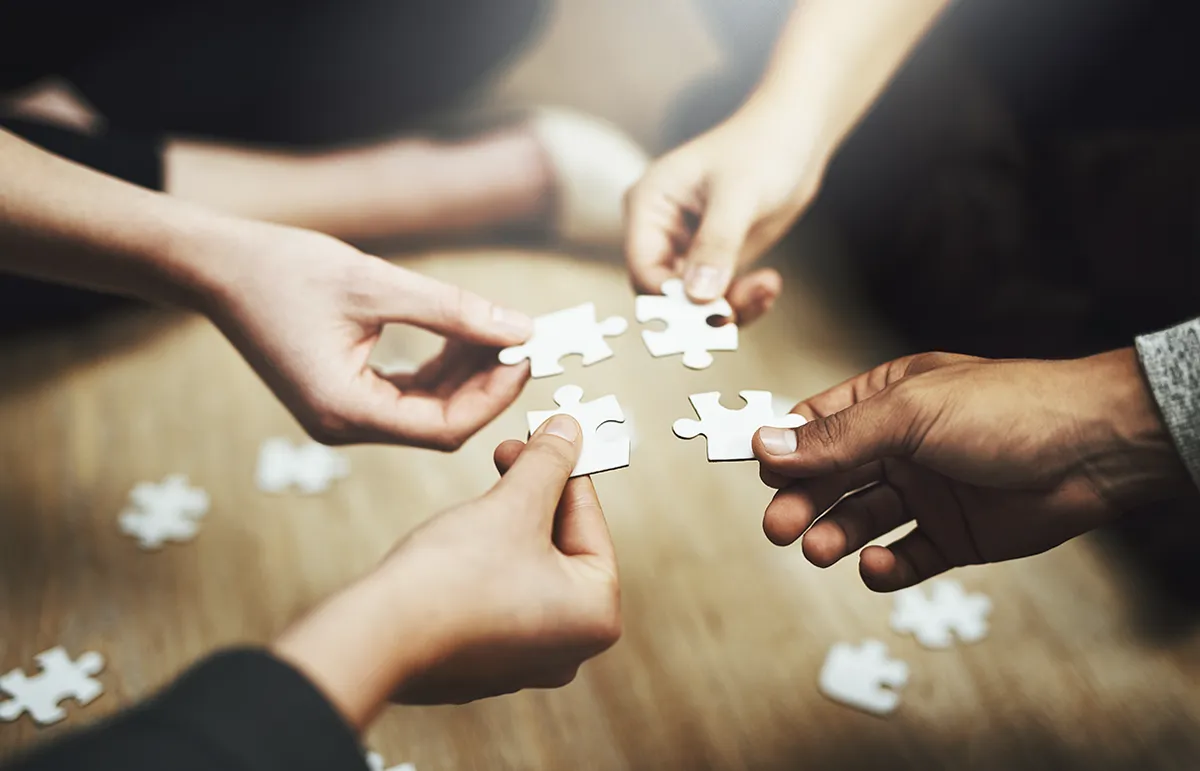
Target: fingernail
x,y
512,321
778,441
706,282
562,426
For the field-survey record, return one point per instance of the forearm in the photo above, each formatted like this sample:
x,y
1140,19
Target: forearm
x,y
299,706
65,223
833,60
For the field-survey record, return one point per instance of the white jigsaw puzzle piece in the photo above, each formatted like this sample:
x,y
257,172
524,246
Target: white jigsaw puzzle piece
x,y
60,679
310,467
729,432
597,454
688,331
935,618
863,677
375,763
564,333
167,511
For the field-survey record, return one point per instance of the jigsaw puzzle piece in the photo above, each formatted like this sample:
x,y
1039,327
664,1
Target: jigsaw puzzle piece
x,y
597,454
310,468
573,331
863,677
167,511
947,611
730,432
688,331
60,679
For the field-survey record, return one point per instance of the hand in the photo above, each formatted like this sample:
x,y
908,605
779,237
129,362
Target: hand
x,y
513,590
714,205
306,310
992,460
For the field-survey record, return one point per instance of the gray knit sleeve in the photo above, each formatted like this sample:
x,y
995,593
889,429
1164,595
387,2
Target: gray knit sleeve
x,y
1171,361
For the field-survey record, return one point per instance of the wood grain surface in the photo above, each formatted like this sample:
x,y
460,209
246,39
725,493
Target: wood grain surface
x,y
724,632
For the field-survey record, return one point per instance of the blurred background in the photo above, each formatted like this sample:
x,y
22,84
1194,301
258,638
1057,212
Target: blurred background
x,y
1019,191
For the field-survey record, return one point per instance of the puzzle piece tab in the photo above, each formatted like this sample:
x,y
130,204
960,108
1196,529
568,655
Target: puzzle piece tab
x,y
688,331
597,454
566,332
863,677
309,467
168,511
61,679
946,611
729,432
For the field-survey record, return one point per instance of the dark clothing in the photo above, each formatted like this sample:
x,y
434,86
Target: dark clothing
x,y
240,710
293,73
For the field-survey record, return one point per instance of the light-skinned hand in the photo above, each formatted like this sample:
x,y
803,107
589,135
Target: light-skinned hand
x,y
305,310
711,207
992,460
513,590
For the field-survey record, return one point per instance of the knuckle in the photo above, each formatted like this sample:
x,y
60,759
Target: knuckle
x,y
607,624
716,247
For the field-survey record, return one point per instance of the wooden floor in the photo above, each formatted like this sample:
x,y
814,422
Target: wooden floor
x,y
724,632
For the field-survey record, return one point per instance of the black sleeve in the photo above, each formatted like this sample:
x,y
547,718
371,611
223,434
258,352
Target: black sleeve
x,y
124,156
241,710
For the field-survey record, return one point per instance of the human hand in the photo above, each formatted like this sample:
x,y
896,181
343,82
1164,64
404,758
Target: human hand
x,y
992,460
716,204
305,310
513,590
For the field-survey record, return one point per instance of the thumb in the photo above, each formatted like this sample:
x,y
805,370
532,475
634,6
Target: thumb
x,y
452,312
537,478
873,429
717,246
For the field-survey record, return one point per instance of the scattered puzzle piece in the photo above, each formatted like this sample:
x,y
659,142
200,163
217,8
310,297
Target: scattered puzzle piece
x,y
167,511
375,763
566,332
946,611
863,677
729,432
61,679
688,331
597,454
309,467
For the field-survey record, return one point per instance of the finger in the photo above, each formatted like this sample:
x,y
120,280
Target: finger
x,y
579,527
801,502
451,311
506,454
474,389
650,237
753,295
536,480
772,479
853,523
713,258
880,427
902,564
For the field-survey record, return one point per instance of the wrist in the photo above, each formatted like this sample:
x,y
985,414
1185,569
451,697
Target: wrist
x,y
1135,461
791,138
364,644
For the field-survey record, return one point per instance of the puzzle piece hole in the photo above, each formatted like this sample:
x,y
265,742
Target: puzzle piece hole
x,y
717,320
